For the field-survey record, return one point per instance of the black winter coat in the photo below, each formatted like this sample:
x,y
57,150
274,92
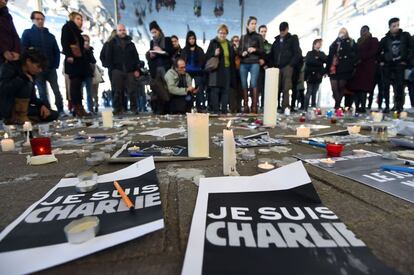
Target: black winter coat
x,y
314,66
406,48
199,62
286,53
248,40
161,60
346,52
72,35
123,59
14,83
215,78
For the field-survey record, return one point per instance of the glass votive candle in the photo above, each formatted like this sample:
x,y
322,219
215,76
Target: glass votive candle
x,y
334,149
44,129
264,165
41,146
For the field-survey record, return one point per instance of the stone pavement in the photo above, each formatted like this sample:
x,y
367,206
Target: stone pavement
x,y
385,223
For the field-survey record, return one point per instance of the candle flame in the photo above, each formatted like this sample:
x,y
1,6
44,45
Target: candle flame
x,y
6,135
266,163
229,124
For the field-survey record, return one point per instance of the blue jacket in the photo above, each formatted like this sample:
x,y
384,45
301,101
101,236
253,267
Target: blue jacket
x,y
44,41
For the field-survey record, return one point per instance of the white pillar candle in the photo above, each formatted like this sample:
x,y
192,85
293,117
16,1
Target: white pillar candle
x,y
198,135
193,84
229,151
271,98
107,118
303,132
7,144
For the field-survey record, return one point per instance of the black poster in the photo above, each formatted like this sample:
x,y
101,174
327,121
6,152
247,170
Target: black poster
x,y
282,231
40,229
366,169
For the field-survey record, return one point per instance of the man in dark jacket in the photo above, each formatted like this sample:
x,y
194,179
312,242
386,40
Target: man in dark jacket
x,y
40,38
18,101
9,39
285,55
264,64
395,52
123,61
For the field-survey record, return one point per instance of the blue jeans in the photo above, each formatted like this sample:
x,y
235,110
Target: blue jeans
x,y
254,70
51,77
220,95
88,85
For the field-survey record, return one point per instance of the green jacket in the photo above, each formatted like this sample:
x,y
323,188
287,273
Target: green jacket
x,y
172,79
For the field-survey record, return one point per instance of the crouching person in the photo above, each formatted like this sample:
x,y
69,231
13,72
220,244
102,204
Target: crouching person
x,y
18,101
180,89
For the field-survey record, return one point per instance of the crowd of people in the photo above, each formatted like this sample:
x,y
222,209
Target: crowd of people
x,y
228,77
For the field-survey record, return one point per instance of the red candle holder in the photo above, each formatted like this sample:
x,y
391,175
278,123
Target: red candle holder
x,y
302,119
334,150
333,120
41,146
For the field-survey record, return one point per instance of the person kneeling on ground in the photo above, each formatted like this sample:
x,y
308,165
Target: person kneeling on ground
x,y
18,101
179,86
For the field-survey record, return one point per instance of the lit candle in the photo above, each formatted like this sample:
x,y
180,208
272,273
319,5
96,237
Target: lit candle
x,y
229,151
327,162
41,146
353,130
377,116
271,98
27,126
7,144
198,135
334,149
107,118
193,84
302,132
265,167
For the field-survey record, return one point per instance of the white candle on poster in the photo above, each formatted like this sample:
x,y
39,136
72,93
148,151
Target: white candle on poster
x,y
271,97
193,84
7,144
229,151
302,132
198,135
107,118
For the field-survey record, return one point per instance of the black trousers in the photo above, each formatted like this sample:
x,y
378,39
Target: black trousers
x,y
394,74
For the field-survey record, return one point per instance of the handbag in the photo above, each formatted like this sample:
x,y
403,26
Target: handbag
x,y
97,75
75,48
212,64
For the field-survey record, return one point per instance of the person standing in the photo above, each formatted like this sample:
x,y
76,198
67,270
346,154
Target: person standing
x,y
363,81
195,58
89,79
235,95
340,64
221,78
394,54
250,51
179,87
161,51
263,64
76,63
40,38
315,62
285,55
123,62
9,39
177,48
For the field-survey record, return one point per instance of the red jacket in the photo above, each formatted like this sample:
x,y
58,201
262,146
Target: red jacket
x,y
9,39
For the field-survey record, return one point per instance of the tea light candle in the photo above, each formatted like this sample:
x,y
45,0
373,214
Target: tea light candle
x,y
377,116
403,115
88,181
41,146
167,152
359,152
198,135
107,118
334,149
82,230
265,167
133,149
229,151
327,162
7,144
353,130
302,132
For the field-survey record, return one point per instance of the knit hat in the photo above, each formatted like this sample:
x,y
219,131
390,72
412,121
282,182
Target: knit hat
x,y
154,25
